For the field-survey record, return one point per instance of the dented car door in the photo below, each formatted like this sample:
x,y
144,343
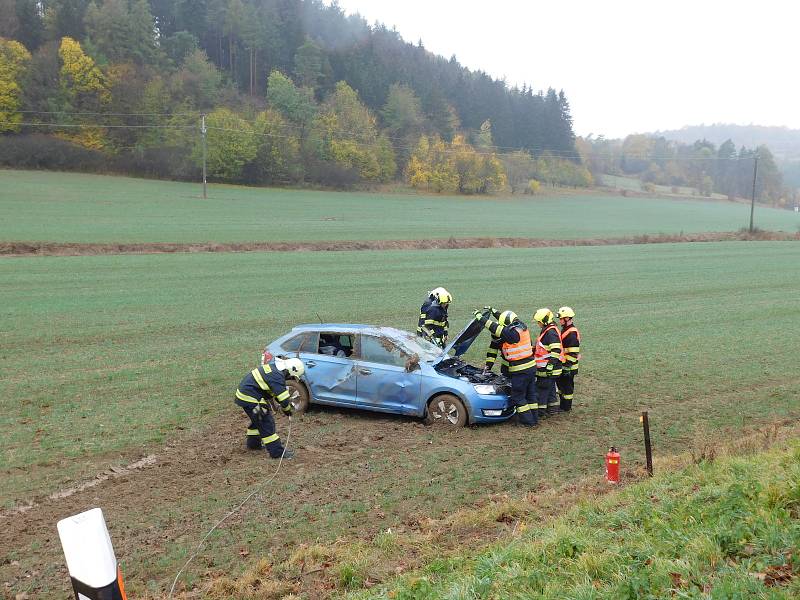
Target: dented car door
x,y
331,371
382,381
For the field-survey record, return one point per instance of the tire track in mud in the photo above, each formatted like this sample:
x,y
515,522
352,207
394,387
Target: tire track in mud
x,y
16,249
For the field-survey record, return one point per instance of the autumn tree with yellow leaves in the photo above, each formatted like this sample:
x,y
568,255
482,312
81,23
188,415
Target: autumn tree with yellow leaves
x,y
13,60
85,90
454,168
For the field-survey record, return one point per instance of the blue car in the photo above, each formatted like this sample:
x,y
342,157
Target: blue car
x,y
393,371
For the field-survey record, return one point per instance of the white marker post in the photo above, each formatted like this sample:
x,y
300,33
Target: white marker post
x,y
90,557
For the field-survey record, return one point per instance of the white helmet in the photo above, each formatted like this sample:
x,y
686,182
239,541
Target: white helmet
x,y
441,294
292,366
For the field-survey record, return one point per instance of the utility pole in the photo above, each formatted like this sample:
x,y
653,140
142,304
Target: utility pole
x,y
203,131
753,201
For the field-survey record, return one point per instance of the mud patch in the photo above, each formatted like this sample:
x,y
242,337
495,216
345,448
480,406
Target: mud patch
x,y
79,249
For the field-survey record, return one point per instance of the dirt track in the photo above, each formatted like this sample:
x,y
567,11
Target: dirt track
x,y
79,249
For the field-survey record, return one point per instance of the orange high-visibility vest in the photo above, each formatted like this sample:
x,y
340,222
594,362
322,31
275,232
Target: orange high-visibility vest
x,y
571,353
522,349
542,354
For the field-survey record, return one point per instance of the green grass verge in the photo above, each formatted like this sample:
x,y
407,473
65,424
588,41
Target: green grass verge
x,y
61,207
728,529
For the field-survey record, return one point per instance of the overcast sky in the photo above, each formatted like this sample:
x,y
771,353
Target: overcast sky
x,y
626,66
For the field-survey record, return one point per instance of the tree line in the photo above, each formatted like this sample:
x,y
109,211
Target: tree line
x,y
295,91
703,166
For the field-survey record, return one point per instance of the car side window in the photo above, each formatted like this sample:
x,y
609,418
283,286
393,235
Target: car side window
x,y
302,342
382,350
335,344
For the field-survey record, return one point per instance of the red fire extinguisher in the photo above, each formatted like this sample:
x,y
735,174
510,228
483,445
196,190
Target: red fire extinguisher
x,y
612,465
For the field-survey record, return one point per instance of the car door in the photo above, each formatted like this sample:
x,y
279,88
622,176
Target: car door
x,y
330,370
382,381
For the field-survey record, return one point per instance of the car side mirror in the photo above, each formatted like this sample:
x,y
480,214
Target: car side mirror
x,y
412,364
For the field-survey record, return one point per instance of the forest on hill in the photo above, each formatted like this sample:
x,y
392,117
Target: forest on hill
x,y
295,91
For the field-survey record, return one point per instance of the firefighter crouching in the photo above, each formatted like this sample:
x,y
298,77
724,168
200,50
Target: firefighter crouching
x,y
571,342
255,391
433,324
549,357
513,339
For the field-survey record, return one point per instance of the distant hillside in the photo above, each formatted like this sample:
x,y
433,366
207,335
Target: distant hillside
x,y
782,141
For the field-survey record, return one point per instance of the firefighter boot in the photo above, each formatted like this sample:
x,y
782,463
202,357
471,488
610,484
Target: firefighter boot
x,y
285,453
566,404
253,440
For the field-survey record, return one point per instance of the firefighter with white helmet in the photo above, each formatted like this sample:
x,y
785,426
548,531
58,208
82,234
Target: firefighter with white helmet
x,y
433,324
257,388
549,355
571,342
511,338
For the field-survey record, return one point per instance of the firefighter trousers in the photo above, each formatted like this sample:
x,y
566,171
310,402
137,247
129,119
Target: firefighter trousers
x,y
523,396
261,432
566,389
545,393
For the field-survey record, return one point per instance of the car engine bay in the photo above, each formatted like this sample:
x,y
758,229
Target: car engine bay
x,y
457,368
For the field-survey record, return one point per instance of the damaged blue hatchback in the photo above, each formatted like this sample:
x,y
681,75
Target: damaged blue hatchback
x,y
393,371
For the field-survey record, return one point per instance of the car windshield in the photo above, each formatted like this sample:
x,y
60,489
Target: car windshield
x,y
416,345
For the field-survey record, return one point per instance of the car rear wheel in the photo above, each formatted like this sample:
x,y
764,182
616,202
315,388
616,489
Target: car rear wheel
x,y
298,395
446,410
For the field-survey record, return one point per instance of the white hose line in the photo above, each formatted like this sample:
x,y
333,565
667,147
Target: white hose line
x,y
233,512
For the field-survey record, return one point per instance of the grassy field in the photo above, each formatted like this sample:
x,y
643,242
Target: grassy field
x,y
725,529
106,359
59,207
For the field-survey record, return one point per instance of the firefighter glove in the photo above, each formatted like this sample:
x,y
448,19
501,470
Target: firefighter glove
x,y
287,409
478,315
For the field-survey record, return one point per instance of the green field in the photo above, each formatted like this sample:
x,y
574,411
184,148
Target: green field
x,y
59,207
108,358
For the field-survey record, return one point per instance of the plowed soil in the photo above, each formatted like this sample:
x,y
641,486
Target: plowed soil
x,y
79,249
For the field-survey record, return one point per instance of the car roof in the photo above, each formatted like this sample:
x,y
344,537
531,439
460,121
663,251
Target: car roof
x,y
348,328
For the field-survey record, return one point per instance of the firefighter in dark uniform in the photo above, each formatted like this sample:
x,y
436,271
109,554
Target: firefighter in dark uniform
x,y
571,342
433,324
511,338
549,360
255,391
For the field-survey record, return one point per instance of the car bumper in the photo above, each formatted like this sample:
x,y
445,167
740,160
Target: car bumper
x,y
485,408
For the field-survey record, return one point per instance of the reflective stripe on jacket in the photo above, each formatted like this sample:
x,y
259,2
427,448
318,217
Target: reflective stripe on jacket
x,y
548,349
265,381
571,340
522,349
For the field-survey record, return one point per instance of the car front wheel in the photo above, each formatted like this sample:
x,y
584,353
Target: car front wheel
x,y
298,395
446,410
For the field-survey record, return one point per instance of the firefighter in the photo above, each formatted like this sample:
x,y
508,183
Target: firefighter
x,y
255,391
549,359
511,337
433,324
571,342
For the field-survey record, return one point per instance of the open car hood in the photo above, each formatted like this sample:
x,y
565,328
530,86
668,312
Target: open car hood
x,y
462,341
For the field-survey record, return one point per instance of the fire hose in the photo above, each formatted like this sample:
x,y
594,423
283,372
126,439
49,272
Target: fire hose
x,y
257,489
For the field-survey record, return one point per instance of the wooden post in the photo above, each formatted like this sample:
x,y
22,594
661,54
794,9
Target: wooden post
x,y
648,449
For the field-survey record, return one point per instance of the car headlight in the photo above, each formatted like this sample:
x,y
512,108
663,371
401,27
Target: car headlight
x,y
483,388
